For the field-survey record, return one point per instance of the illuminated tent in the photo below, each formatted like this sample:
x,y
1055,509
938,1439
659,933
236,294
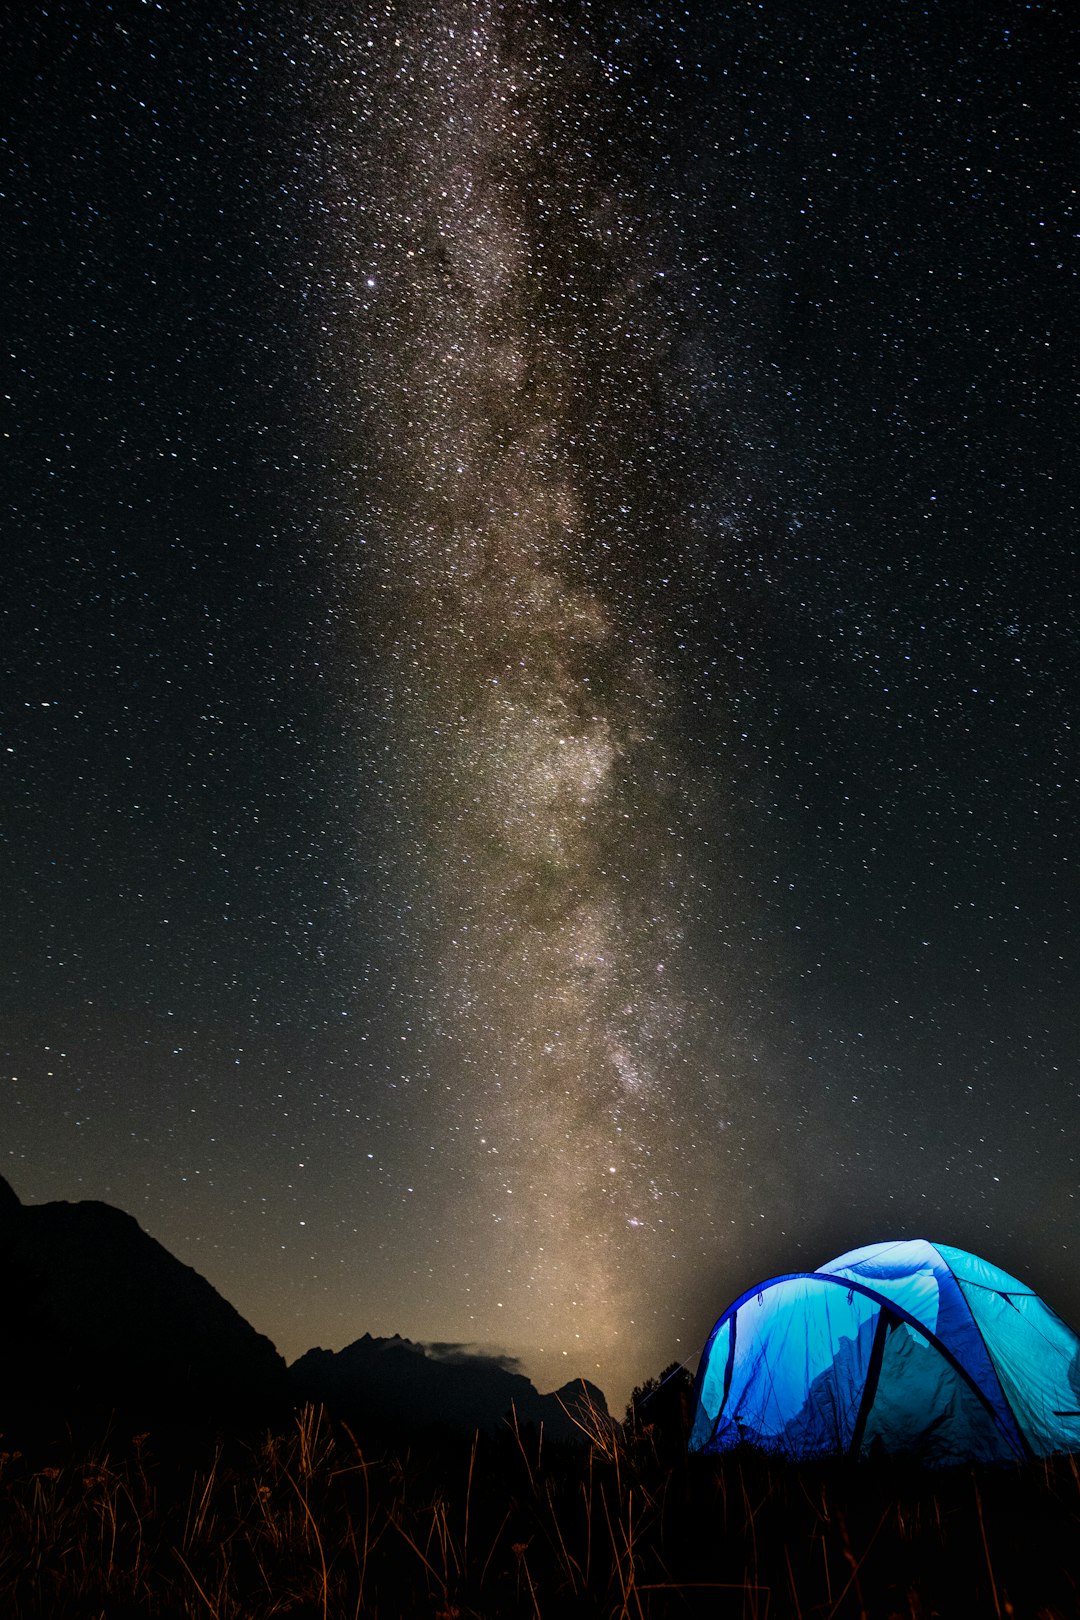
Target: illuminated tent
x,y
907,1347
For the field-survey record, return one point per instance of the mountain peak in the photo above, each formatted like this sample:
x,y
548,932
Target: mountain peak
x,y
96,1314
453,1386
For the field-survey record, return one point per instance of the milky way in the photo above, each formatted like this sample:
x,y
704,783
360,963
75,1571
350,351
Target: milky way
x,y
497,324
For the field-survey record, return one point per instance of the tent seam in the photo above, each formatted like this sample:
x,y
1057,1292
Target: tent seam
x,y
1025,1443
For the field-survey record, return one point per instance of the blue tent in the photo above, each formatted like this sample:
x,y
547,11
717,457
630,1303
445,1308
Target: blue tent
x,y
903,1347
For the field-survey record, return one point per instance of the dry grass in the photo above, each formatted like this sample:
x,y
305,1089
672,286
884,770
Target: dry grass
x,y
316,1522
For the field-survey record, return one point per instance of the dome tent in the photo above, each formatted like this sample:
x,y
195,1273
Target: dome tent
x,y
908,1347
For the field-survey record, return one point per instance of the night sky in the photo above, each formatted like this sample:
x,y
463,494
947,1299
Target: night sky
x,y
540,650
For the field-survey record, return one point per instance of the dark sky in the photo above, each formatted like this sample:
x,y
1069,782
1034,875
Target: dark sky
x,y
540,651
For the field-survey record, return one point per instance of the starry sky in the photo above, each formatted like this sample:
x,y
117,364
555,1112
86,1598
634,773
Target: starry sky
x,y
540,650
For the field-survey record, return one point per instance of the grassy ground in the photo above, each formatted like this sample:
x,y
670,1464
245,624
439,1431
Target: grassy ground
x,y
316,1521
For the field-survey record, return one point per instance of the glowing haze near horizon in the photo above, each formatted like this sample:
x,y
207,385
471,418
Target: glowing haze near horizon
x,y
540,750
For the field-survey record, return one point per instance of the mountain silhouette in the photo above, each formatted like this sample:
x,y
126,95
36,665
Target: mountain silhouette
x,y
407,1386
96,1316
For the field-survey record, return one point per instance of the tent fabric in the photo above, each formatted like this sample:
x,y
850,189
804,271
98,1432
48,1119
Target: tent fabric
x,y
909,1347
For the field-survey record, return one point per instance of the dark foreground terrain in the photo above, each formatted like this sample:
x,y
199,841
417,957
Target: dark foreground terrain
x,y
320,1520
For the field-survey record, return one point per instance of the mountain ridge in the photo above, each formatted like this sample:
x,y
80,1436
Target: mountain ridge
x,y
98,1316
457,1387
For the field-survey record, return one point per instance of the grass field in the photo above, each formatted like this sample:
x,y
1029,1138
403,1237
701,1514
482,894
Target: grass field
x,y
319,1521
